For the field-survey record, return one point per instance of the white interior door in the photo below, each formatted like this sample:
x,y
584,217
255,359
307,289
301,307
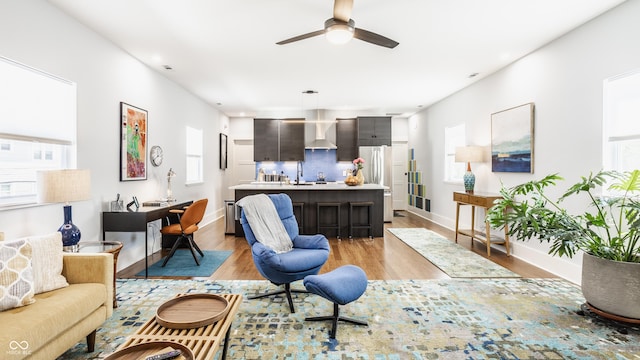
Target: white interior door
x,y
243,166
400,156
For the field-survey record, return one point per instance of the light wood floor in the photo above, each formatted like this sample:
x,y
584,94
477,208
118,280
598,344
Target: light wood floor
x,y
383,258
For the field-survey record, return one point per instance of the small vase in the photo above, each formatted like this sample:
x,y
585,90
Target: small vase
x,y
70,232
469,180
360,177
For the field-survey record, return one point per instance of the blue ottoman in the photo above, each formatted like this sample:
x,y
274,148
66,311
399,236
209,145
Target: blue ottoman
x,y
340,286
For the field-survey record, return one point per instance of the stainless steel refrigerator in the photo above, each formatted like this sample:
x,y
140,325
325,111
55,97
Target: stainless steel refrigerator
x,y
378,169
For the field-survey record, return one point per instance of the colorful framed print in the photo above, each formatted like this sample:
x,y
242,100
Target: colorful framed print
x,y
223,151
133,143
512,139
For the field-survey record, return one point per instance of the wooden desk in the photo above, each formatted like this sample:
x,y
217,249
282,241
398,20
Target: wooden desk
x,y
483,200
136,221
204,341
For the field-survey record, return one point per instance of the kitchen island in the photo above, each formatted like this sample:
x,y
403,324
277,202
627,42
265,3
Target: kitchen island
x,y
308,195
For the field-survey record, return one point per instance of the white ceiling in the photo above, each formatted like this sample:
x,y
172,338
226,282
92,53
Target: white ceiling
x,y
225,51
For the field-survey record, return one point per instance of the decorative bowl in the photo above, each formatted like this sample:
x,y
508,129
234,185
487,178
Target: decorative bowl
x,y
352,182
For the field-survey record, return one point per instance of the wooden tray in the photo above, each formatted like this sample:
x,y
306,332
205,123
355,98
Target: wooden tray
x,y
141,351
192,311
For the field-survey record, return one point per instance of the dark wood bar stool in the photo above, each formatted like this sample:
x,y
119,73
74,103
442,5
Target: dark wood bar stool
x,y
300,219
368,225
320,225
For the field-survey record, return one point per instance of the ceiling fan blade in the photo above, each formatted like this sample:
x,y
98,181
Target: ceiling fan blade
x,y
301,37
342,10
374,38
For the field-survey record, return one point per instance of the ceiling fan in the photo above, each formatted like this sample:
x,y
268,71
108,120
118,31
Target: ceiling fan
x,y
341,28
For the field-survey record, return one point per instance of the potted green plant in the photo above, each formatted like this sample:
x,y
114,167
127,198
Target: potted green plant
x,y
607,231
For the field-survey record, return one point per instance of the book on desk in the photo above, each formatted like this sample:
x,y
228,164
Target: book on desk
x,y
155,203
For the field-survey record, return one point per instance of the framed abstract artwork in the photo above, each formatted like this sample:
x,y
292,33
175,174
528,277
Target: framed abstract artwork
x,y
133,143
223,151
512,139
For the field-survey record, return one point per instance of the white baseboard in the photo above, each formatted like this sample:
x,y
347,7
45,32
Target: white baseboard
x,y
210,218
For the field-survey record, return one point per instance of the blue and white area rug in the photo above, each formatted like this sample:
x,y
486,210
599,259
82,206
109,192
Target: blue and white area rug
x,y
453,259
422,319
183,264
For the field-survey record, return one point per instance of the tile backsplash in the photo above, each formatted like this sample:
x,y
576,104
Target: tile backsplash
x,y
315,161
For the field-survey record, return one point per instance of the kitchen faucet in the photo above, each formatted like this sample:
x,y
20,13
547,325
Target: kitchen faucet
x,y
299,172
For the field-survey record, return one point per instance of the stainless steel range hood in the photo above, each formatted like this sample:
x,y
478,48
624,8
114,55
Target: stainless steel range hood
x,y
319,144
319,140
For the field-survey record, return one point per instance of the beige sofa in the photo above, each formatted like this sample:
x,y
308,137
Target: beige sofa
x,y
61,318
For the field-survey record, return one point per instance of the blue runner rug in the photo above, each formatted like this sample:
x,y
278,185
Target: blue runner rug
x,y
182,264
453,259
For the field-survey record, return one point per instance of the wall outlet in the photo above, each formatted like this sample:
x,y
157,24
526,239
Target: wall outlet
x,y
344,172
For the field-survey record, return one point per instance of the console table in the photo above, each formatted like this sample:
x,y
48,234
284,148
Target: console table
x,y
483,200
136,221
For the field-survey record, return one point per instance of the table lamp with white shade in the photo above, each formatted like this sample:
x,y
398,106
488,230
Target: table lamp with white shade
x,y
66,185
469,154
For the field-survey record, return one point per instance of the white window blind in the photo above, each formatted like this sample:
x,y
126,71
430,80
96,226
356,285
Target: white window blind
x,y
453,137
35,103
194,155
621,125
37,129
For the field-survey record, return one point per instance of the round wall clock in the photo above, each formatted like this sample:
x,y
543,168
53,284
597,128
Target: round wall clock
x,y
156,155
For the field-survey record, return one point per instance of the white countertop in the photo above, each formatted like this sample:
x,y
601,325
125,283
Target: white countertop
x,y
306,186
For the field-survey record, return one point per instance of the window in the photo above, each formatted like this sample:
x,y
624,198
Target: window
x,y
621,125
18,167
453,137
194,155
38,122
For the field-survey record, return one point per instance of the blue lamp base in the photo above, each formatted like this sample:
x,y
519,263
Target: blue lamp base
x,y
70,232
469,181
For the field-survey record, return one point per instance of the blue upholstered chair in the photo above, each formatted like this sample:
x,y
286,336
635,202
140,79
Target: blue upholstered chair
x,y
309,252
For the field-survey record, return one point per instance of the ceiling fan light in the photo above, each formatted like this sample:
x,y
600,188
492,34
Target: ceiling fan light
x,y
339,33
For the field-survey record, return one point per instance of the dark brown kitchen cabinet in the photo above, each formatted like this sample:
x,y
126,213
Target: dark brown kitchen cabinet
x,y
310,196
265,140
374,130
291,141
346,139
278,140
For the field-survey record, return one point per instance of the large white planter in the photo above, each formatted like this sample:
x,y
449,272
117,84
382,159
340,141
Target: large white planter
x,y
612,286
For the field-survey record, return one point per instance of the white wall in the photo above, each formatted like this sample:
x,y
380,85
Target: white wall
x,y
564,80
37,34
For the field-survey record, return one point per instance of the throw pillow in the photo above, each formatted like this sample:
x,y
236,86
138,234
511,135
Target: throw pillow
x,y
16,275
47,262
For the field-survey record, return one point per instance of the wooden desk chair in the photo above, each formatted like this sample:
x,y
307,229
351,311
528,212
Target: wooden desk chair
x,y
187,225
